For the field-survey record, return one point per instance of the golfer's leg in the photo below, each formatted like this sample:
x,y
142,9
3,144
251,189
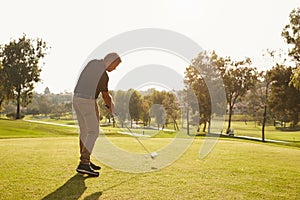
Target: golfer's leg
x,y
82,136
82,126
92,125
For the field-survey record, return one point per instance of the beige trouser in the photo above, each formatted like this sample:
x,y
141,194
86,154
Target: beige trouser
x,y
88,120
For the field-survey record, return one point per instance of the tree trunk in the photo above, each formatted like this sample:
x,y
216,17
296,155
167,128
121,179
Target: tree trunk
x,y
1,101
188,121
18,104
229,119
175,125
204,127
265,115
264,124
295,119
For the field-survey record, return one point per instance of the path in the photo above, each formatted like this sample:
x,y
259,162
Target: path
x,y
259,139
75,126
141,135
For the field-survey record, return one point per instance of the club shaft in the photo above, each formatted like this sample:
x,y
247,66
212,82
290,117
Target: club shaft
x,y
134,136
137,139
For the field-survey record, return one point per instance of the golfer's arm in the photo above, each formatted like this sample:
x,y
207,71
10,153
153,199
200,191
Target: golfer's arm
x,y
108,100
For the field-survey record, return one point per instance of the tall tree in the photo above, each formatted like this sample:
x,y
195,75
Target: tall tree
x,y
291,34
157,110
204,78
195,82
146,104
238,78
135,106
21,66
284,98
171,106
122,104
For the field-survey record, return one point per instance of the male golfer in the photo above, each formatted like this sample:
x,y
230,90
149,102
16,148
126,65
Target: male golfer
x,y
92,80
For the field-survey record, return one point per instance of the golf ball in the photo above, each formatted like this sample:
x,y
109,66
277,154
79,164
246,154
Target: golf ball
x,y
153,154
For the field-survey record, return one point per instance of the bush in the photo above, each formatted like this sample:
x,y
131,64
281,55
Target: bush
x,y
12,115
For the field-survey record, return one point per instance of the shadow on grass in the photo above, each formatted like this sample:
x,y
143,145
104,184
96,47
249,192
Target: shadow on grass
x,y
75,187
72,189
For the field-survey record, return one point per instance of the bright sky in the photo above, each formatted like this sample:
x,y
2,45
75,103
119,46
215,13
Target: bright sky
x,y
74,28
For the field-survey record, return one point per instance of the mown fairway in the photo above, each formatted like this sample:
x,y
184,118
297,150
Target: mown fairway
x,y
253,130
37,168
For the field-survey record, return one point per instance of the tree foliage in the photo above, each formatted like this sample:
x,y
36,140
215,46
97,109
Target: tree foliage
x,y
291,34
195,82
135,106
284,99
238,78
21,68
203,78
295,78
171,106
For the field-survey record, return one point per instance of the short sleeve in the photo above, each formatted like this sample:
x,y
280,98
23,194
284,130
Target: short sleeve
x,y
102,84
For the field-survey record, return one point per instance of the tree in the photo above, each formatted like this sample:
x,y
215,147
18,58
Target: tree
x,y
203,77
295,78
121,100
157,110
44,105
195,82
284,98
255,100
135,106
5,87
238,78
21,66
146,104
47,91
291,34
171,106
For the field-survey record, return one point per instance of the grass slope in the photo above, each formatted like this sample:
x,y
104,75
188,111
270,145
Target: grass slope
x,y
22,129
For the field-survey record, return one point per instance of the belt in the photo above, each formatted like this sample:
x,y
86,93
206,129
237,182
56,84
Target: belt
x,y
84,96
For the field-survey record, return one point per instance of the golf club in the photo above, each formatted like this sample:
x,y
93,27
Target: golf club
x,y
151,154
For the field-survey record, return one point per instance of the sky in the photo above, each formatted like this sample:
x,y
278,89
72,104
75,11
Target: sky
x,y
75,28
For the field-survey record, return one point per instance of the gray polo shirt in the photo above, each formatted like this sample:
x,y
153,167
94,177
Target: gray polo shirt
x,y
92,80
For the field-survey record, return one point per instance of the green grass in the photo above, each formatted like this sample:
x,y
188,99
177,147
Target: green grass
x,y
48,119
250,129
39,161
22,129
45,167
